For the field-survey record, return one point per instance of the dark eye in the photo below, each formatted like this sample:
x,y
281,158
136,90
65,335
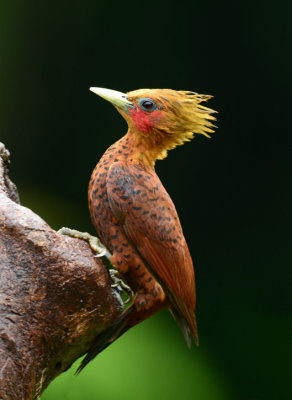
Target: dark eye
x,y
147,104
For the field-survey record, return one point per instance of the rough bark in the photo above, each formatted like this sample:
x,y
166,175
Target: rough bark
x,y
55,297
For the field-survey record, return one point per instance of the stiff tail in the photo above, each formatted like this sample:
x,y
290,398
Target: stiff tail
x,y
108,336
184,316
186,319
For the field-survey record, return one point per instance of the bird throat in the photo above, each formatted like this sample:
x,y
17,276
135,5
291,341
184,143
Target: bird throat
x,y
145,149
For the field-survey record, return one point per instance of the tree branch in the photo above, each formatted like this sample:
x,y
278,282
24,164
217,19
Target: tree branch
x,y
55,297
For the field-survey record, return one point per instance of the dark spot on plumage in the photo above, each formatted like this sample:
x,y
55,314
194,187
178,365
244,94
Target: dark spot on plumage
x,y
111,156
168,231
147,300
103,185
137,208
119,262
97,207
144,194
124,147
162,230
95,191
124,197
138,267
117,189
106,168
136,191
119,250
138,168
154,293
167,218
153,199
141,304
138,176
162,208
125,245
149,279
142,275
145,212
153,216
116,235
102,195
126,154
120,151
174,241
127,256
103,174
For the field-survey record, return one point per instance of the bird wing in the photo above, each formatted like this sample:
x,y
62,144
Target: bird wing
x,y
150,222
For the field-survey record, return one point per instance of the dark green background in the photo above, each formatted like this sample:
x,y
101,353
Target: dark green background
x,y
232,192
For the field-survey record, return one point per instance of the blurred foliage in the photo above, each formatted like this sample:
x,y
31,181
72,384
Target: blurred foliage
x,y
233,192
150,362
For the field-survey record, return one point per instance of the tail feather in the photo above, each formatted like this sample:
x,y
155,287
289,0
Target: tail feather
x,y
182,323
182,313
186,319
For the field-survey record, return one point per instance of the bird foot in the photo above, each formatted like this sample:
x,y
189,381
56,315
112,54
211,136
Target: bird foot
x,y
98,248
101,251
119,284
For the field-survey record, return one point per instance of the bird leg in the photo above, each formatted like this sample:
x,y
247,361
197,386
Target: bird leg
x,y
93,241
121,285
101,251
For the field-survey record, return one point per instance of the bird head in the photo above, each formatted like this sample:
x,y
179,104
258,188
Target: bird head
x,y
162,119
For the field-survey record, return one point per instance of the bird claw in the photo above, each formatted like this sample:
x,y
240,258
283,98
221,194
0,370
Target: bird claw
x,y
93,241
119,284
101,251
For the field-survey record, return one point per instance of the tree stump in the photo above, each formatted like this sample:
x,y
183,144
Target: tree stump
x,y
55,297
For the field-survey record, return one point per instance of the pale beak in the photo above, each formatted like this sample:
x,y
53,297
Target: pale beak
x,y
118,99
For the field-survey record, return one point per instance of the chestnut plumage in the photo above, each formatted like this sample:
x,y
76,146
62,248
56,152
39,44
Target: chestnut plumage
x,y
133,214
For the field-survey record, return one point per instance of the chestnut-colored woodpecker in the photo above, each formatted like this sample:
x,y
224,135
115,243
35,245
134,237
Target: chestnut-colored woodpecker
x,y
134,215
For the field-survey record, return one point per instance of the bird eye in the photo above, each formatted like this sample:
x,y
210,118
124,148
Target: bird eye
x,y
147,104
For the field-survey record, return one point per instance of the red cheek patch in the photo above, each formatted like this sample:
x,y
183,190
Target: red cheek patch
x,y
144,121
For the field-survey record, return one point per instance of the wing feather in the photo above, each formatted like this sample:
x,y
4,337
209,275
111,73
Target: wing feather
x,y
149,219
150,222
